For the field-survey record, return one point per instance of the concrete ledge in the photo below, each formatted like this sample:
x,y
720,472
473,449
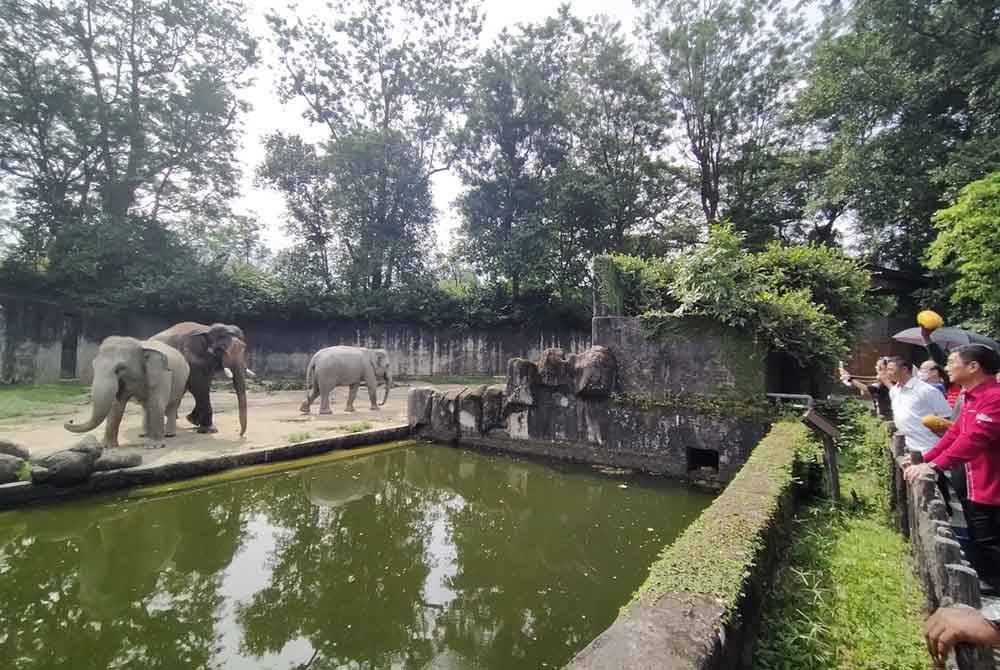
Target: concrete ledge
x,y
23,493
700,606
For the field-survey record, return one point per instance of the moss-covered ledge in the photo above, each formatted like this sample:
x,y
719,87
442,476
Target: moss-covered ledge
x,y
699,607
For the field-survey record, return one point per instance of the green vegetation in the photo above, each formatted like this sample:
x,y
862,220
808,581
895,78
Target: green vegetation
x,y
721,404
805,301
968,249
298,437
351,427
714,555
846,598
23,400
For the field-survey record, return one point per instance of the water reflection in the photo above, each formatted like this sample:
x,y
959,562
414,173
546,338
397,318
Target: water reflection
x,y
426,557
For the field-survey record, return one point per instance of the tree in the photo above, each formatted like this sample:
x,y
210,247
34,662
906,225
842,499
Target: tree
x,y
122,108
968,247
725,66
906,93
387,80
515,139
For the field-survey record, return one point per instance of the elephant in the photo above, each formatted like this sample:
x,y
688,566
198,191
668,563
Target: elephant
x,y
152,372
346,366
209,350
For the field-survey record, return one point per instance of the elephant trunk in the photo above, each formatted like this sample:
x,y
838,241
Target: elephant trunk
x,y
102,395
388,385
240,385
235,361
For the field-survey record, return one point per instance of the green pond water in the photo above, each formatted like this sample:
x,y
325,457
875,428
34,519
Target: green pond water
x,y
418,557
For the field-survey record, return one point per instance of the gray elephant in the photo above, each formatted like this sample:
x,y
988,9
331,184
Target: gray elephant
x,y
346,366
152,372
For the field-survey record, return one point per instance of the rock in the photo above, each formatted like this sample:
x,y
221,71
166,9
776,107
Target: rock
x,y
10,467
117,461
595,372
12,448
493,400
88,445
68,467
521,376
418,406
470,411
555,370
444,422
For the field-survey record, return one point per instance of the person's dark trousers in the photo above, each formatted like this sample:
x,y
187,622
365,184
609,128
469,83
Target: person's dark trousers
x,y
984,530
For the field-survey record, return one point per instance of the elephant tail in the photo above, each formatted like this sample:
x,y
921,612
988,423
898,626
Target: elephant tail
x,y
310,377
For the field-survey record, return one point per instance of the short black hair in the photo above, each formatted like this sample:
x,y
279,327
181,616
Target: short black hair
x,y
988,359
900,362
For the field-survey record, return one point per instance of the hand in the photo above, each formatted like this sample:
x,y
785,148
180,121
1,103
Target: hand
x,y
915,472
957,625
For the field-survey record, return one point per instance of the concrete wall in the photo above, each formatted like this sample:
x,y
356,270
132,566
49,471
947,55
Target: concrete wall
x,y
31,335
692,356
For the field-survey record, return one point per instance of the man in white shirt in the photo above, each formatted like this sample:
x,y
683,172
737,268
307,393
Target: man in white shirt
x,y
912,400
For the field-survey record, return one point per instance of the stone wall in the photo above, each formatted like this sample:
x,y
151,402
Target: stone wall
x,y
700,605
688,355
562,407
33,334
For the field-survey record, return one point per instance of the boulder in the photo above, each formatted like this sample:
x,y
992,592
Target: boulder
x,y
117,461
444,422
493,400
521,376
595,372
68,467
470,411
555,370
12,448
418,406
10,467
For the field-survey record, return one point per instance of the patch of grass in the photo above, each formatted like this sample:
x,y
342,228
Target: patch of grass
x,y
24,473
845,598
352,427
34,400
299,437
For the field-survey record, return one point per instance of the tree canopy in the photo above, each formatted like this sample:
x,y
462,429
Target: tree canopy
x,y
726,133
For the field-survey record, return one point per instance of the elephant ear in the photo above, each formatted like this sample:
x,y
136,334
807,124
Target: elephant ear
x,y
156,365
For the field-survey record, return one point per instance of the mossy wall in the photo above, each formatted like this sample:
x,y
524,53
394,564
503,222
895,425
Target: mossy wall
x,y
660,356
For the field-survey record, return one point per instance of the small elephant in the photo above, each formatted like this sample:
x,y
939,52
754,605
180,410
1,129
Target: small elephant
x,y
346,366
152,372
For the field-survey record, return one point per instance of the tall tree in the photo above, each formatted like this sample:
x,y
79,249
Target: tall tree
x,y
907,93
119,108
726,67
515,139
387,79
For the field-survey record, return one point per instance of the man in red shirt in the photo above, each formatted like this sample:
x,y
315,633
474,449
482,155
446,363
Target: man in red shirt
x,y
974,440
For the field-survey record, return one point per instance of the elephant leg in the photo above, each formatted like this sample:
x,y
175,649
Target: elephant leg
x,y
170,429
352,393
313,394
371,383
200,389
156,406
325,395
113,423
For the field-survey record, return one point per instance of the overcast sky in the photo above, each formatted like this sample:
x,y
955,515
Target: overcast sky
x,y
270,115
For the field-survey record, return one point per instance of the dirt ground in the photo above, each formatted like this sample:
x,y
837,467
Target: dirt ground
x,y
273,419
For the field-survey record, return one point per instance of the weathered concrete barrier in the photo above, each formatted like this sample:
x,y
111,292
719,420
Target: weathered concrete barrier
x,y
700,606
563,407
22,493
923,516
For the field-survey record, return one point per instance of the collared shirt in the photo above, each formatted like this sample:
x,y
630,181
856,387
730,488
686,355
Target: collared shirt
x,y
974,439
911,402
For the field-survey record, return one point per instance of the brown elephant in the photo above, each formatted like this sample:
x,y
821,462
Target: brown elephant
x,y
209,350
